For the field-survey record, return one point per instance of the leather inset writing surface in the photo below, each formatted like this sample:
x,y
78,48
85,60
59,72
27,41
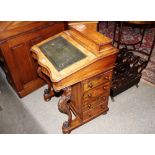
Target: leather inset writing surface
x,y
61,53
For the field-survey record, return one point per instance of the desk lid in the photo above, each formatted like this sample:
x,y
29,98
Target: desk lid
x,y
95,40
61,55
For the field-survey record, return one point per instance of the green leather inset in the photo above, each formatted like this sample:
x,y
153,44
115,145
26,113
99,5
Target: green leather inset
x,y
61,53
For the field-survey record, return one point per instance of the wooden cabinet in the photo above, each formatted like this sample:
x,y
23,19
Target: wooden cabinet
x,y
92,94
16,39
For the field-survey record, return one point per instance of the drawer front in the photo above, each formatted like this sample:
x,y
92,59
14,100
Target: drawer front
x,y
96,102
96,92
97,80
95,111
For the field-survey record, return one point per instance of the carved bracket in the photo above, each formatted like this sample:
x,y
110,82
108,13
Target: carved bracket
x,y
48,93
64,107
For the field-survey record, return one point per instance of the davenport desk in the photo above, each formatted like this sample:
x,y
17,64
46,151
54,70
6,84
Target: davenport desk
x,y
77,64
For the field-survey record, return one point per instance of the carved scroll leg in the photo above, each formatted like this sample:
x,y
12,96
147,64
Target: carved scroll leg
x,y
64,107
48,93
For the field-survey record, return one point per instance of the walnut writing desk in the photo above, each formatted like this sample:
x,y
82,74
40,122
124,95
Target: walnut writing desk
x,y
81,73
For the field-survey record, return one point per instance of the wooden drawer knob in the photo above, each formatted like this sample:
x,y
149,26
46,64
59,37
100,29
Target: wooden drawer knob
x,y
89,95
89,115
104,98
90,85
89,106
107,77
104,88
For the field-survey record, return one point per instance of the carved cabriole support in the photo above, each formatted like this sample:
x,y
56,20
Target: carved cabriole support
x,y
48,93
64,107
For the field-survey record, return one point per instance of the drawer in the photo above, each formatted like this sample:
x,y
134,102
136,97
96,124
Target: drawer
x,y
100,100
94,112
97,80
96,92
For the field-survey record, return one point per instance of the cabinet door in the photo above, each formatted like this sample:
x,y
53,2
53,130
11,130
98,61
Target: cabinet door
x,y
25,67
22,62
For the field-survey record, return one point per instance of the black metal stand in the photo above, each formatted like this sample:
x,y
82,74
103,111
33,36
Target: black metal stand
x,y
127,71
129,66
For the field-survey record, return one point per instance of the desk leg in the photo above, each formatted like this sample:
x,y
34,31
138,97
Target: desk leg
x,y
64,107
48,93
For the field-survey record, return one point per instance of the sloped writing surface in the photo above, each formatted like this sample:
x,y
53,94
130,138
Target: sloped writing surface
x,y
61,53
